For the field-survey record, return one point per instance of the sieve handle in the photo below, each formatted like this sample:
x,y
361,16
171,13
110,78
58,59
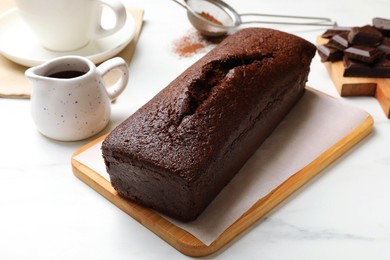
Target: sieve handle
x,y
321,21
179,3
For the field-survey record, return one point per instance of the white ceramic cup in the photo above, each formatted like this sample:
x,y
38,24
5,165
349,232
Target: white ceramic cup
x,y
65,25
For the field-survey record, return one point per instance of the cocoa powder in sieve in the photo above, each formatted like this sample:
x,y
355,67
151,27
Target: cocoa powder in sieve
x,y
209,17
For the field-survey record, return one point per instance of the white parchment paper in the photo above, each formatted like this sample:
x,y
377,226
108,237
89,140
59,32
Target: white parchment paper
x,y
315,124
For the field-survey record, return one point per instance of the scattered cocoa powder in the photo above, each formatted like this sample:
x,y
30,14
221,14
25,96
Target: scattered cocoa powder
x,y
193,43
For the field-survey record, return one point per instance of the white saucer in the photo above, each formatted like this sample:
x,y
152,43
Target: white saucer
x,y
18,44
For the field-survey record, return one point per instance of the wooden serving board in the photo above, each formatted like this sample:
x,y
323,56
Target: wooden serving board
x,y
187,243
357,86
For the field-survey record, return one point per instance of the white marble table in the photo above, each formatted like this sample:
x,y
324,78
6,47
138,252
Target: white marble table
x,y
47,213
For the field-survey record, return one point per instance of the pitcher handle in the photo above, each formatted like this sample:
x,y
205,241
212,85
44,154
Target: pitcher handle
x,y
115,64
120,17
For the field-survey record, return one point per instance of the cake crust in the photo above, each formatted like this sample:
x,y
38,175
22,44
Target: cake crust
x,y
179,150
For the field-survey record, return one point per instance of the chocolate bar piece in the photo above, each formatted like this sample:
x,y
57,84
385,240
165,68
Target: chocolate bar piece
x,y
334,31
366,35
328,53
352,68
363,53
339,41
385,46
382,25
364,50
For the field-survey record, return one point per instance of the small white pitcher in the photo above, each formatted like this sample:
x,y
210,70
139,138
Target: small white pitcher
x,y
69,99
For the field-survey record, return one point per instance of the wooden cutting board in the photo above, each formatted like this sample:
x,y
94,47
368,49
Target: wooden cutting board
x,y
187,243
356,86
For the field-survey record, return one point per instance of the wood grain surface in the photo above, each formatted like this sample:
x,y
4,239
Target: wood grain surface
x,y
186,242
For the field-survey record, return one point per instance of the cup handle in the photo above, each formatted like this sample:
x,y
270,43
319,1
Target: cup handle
x,y
120,14
115,64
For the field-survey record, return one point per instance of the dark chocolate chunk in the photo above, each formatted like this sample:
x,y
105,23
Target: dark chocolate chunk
x,y
334,31
366,35
385,46
339,41
364,50
353,68
382,25
363,53
328,53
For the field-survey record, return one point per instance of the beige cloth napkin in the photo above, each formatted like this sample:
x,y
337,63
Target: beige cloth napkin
x,y
13,84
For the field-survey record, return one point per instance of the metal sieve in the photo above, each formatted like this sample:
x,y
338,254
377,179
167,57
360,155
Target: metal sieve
x,y
227,20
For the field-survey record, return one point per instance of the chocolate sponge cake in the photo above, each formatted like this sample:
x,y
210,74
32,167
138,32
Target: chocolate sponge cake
x,y
179,150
